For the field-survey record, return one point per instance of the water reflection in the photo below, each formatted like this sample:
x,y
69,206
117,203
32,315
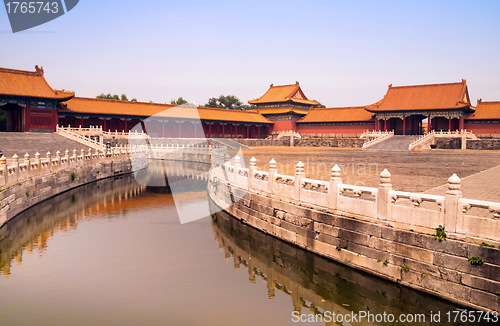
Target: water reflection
x,y
31,230
312,283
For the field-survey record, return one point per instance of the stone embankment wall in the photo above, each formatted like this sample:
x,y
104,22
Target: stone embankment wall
x,y
26,183
23,185
307,141
456,143
372,229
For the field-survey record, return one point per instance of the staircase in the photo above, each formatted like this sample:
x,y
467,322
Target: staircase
x,y
21,143
394,143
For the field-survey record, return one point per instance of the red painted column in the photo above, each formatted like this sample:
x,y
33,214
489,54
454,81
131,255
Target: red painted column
x,y
429,123
258,132
449,123
404,125
385,124
223,131
209,130
461,123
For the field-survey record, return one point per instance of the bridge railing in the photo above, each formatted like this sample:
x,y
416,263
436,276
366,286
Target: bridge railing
x,y
407,210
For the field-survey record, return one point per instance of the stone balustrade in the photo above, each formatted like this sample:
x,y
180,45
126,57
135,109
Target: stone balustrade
x,y
404,210
375,137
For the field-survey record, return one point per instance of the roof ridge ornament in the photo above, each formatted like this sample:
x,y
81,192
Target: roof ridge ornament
x,y
39,70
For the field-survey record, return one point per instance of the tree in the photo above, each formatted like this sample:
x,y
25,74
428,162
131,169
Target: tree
x,y
133,100
179,101
229,102
109,96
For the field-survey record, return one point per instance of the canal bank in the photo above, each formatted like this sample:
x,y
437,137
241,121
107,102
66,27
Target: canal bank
x,y
383,235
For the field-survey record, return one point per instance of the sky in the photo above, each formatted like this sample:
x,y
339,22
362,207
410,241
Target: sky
x,y
343,53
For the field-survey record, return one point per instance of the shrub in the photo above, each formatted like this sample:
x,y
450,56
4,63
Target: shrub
x,y
440,233
475,260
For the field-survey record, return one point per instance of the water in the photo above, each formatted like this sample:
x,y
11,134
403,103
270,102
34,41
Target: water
x,y
115,253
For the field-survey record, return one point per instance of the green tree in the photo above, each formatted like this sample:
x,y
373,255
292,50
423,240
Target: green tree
x,y
133,100
229,102
179,101
110,96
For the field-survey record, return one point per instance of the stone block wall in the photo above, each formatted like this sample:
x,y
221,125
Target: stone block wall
x,y
19,196
415,259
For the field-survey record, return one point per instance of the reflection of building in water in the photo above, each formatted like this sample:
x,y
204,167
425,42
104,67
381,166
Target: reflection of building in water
x,y
31,230
312,282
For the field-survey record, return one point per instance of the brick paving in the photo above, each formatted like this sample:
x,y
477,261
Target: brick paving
x,y
484,185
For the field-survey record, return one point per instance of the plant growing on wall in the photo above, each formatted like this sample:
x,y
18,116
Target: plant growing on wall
x,y
440,233
475,260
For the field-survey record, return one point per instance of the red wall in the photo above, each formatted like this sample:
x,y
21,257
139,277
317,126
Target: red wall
x,y
483,128
285,125
352,129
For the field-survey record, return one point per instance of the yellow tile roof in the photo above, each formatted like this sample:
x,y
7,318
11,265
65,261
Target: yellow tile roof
x,y
83,105
486,111
284,93
424,97
341,114
29,83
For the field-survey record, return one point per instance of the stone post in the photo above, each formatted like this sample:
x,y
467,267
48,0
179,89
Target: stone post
x,y
82,154
333,194
27,162
74,154
58,159
251,171
3,166
270,176
89,153
383,199
66,155
452,209
237,163
48,156
38,162
15,163
299,174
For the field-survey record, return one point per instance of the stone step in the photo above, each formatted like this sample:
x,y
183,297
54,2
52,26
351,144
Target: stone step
x,y
21,143
394,143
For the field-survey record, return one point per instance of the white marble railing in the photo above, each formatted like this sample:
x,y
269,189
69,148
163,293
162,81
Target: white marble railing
x,y
17,171
378,137
412,211
428,138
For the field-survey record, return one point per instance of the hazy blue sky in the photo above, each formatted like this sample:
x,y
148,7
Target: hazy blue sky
x,y
342,52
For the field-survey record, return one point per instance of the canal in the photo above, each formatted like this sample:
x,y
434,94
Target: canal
x,y
115,253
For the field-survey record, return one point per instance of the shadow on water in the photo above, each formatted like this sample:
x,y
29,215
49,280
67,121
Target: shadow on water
x,y
316,285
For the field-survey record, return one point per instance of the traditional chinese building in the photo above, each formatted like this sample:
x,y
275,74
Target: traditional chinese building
x,y
284,105
403,108
485,119
163,120
27,102
343,120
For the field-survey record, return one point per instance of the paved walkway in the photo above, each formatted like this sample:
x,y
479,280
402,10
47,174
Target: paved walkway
x,y
484,185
